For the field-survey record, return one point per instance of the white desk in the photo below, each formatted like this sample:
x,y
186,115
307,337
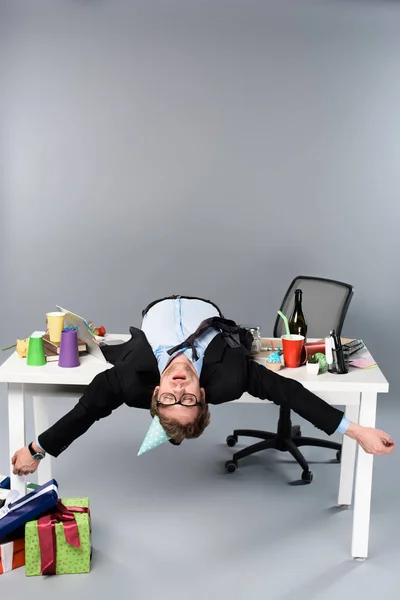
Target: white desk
x,y
357,391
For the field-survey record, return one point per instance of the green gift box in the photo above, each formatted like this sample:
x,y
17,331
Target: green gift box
x,y
68,558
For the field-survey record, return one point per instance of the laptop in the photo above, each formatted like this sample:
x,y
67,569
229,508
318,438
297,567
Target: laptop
x,y
84,333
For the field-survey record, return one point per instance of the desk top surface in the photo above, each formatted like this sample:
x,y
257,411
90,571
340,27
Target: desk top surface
x,y
15,370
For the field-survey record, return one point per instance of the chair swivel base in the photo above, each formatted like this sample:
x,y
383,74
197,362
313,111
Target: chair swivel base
x,y
285,443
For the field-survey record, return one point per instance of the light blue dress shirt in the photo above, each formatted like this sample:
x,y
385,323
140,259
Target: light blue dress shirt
x,y
343,425
170,322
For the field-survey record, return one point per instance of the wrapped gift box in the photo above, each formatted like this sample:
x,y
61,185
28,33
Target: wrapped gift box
x,y
4,492
60,542
17,512
32,486
4,482
3,497
12,553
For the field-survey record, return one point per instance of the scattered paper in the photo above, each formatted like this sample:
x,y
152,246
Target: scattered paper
x,y
363,363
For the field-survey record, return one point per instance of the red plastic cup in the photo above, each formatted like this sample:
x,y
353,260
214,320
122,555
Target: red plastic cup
x,y
292,350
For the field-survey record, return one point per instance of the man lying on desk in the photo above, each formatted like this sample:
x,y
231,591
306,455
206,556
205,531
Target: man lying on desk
x,y
185,357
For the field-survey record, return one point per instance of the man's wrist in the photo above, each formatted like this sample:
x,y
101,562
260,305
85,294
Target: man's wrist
x,y
343,425
37,448
353,431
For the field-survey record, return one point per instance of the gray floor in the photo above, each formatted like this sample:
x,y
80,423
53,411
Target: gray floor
x,y
173,525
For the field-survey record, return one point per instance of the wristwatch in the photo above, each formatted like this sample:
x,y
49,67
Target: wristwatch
x,y
36,455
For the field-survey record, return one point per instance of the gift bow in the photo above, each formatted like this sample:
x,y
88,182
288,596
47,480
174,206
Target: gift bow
x,y
15,499
12,497
47,533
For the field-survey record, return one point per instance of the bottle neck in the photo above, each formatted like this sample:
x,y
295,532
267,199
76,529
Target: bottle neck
x,y
298,298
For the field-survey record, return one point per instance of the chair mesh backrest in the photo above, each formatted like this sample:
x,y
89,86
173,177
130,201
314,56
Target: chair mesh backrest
x,y
325,304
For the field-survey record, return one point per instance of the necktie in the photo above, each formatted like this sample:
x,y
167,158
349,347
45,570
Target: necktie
x,y
229,329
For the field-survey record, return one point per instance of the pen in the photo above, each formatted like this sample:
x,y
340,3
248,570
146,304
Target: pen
x,y
339,352
335,354
332,335
333,345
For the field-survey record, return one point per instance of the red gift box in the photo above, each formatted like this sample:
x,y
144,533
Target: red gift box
x,y
12,555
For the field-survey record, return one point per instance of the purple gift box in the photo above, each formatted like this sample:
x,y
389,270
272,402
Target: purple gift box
x,y
27,508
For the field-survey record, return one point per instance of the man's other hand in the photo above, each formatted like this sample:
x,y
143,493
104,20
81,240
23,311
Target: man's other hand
x,y
372,441
23,462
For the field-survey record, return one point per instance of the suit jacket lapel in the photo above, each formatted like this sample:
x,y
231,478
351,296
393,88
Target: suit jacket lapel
x,y
215,350
137,354
137,350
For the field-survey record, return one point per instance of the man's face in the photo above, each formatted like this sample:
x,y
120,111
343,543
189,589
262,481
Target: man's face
x,y
179,378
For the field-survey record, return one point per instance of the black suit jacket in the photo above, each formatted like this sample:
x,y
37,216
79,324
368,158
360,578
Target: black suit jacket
x,y
226,374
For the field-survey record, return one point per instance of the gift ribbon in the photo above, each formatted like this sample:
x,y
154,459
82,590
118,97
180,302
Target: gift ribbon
x,y
6,555
13,501
47,533
12,496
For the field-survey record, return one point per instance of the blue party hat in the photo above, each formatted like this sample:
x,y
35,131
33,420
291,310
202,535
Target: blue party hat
x,y
154,437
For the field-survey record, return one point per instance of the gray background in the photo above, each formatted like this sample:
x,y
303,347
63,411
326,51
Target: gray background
x,y
211,148
216,148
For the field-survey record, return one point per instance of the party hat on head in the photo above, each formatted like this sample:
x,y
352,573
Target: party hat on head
x,y
154,437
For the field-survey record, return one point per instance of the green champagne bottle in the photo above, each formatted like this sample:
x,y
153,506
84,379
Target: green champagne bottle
x,y
297,322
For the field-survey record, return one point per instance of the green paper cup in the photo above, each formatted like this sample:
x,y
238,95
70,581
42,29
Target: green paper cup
x,y
36,357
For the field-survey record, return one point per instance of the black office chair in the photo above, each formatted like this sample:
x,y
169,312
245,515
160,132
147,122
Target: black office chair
x,y
325,304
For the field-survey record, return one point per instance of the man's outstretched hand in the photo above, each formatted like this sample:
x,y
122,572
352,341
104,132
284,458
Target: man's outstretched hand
x,y
372,441
23,462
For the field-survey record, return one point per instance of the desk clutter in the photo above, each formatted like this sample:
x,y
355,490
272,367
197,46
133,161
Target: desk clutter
x,y
59,344
313,355
292,350
43,533
62,343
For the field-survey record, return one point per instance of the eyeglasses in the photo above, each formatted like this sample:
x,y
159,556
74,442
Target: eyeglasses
x,y
186,400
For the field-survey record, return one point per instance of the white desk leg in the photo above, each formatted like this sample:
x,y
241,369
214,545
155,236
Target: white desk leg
x,y
347,461
363,487
16,428
41,421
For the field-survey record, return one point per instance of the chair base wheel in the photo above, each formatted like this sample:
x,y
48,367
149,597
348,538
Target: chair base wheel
x,y
307,476
231,440
231,466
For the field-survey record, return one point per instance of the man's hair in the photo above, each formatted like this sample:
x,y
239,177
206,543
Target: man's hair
x,y
178,432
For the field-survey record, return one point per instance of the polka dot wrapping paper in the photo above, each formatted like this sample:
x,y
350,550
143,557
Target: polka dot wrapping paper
x,y
69,560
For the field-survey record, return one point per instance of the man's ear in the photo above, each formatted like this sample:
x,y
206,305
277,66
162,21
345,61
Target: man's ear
x,y
155,395
203,394
154,398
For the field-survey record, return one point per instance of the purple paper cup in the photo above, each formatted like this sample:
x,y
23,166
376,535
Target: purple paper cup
x,y
69,354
